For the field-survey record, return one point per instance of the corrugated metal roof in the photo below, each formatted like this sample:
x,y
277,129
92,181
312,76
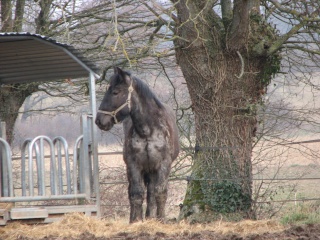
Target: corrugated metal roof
x,y
26,57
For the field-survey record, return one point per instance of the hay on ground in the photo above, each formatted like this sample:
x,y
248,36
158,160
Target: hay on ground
x,y
73,225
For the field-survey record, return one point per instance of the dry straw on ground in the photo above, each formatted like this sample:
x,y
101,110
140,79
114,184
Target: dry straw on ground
x,y
76,224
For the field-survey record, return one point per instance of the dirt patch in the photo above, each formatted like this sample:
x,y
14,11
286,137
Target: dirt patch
x,y
79,227
297,232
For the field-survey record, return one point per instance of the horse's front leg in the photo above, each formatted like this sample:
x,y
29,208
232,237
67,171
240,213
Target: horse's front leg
x,y
136,193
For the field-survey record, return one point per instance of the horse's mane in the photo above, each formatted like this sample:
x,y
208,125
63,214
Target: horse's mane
x,y
142,89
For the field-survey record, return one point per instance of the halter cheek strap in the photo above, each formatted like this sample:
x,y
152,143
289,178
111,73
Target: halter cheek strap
x,y
127,102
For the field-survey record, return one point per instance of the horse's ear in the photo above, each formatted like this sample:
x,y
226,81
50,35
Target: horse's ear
x,y
119,71
116,70
123,75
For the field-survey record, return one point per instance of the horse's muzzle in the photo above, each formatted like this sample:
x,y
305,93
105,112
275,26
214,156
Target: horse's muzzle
x,y
104,122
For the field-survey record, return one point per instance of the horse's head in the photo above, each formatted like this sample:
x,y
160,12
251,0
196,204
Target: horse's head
x,y
116,103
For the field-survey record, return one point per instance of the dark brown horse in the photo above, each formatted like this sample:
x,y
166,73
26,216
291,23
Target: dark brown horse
x,y
151,140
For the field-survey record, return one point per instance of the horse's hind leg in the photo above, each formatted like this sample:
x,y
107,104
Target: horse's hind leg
x,y
136,194
161,190
161,198
151,200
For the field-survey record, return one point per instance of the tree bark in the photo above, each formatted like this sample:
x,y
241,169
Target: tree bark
x,y
6,16
18,20
224,84
42,20
12,97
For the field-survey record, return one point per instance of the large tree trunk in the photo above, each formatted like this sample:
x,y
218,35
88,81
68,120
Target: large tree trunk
x,y
223,79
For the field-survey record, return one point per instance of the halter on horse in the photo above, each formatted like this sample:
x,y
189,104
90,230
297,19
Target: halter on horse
x,y
127,103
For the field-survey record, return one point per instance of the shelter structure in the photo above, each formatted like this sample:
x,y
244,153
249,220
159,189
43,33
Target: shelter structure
x,y
61,177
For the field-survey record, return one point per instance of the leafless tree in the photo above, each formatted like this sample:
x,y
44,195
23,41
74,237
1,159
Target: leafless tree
x,y
228,52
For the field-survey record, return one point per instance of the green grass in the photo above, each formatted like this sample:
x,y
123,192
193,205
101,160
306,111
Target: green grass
x,y
305,213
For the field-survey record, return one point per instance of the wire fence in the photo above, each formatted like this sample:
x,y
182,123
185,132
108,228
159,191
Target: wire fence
x,y
115,192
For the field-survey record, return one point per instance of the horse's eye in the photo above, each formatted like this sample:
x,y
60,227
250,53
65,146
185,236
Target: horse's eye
x,y
115,92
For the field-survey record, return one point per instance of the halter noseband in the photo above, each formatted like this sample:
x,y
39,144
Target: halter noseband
x,y
128,102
